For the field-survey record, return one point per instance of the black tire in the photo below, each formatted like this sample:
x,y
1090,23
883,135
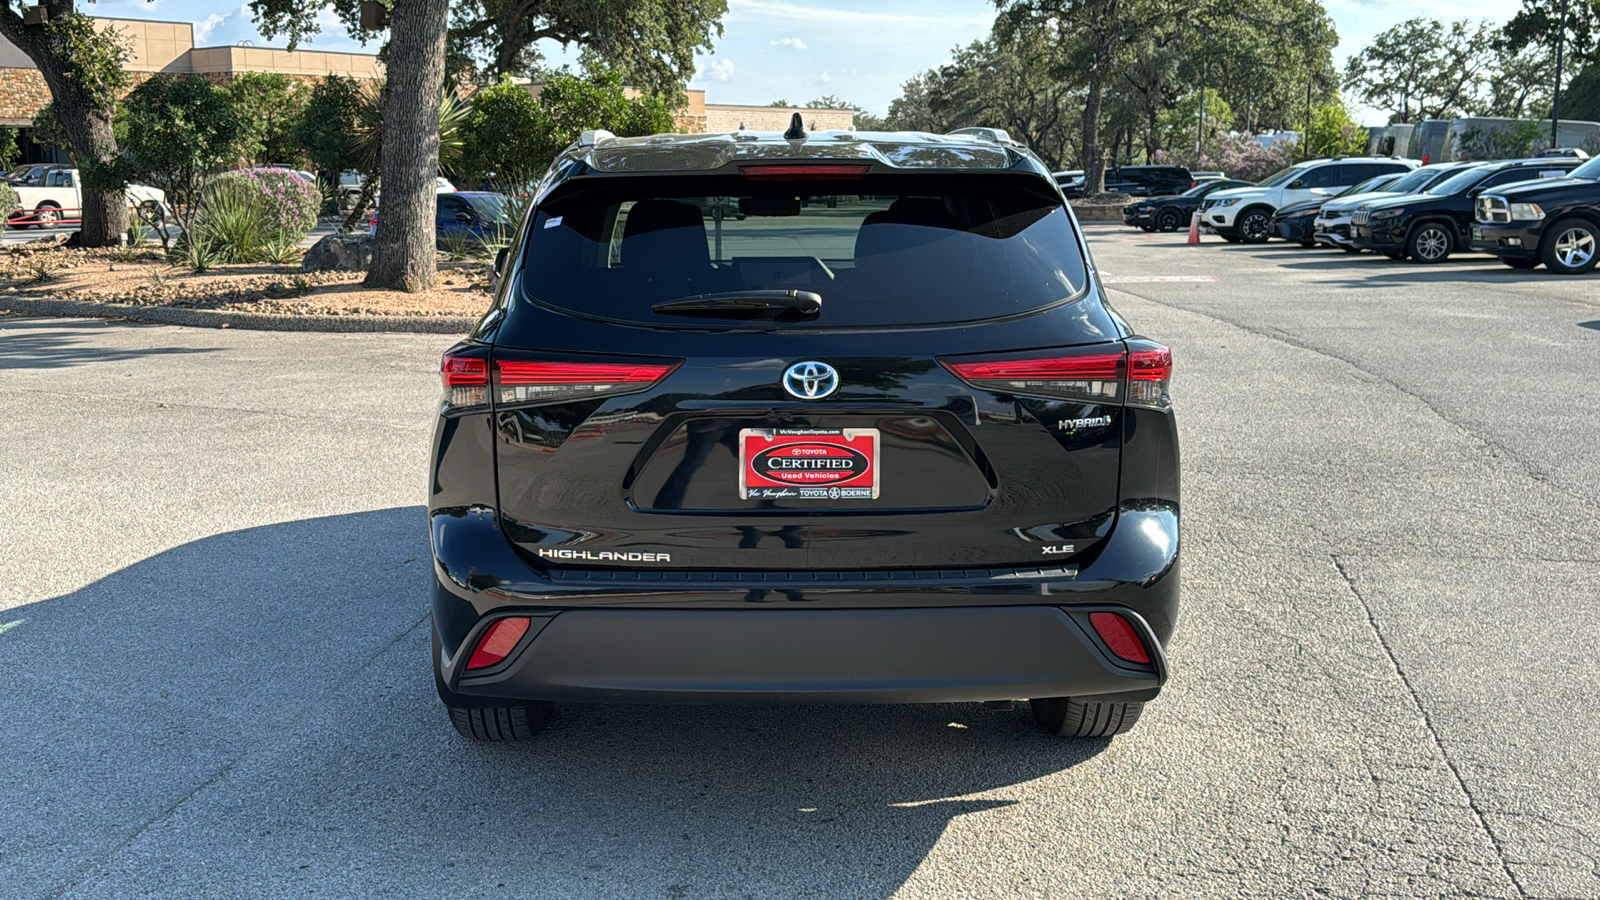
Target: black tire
x,y
1170,220
1570,246
1521,263
1431,242
1254,225
1068,717
502,724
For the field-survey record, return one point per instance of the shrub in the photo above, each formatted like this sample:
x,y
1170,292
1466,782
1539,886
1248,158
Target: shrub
x,y
285,204
8,199
231,221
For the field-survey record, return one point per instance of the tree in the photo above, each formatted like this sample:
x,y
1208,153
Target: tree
x,y
507,135
178,131
84,68
651,42
326,132
1334,133
270,107
1438,68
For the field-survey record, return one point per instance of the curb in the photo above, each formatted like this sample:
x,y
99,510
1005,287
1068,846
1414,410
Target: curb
x,y
214,318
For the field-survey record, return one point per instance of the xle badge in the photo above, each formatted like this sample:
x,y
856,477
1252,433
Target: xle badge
x,y
1049,549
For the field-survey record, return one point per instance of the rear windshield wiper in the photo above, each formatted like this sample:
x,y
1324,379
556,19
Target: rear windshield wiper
x,y
805,303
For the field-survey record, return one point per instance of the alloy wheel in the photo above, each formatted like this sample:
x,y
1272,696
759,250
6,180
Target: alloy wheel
x,y
1254,227
1432,244
1575,247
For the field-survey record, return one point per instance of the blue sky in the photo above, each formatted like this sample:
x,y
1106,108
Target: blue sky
x,y
861,50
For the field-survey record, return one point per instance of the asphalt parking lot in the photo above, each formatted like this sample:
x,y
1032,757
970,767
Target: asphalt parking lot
x,y
213,623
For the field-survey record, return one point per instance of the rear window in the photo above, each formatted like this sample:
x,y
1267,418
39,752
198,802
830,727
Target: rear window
x,y
879,251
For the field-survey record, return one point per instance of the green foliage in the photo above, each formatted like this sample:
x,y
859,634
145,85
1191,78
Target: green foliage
x,y
1538,23
47,130
1334,133
230,222
270,107
8,199
1581,98
179,130
327,132
510,139
1424,69
9,151
505,135
96,58
1512,140
285,204
1177,123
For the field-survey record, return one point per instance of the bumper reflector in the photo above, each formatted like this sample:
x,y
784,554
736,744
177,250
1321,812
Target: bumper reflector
x,y
1118,635
498,642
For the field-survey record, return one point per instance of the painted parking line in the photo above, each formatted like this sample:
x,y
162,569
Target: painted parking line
x,y
1158,279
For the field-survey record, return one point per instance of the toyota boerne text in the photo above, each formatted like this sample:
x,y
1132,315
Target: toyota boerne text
x,y
765,417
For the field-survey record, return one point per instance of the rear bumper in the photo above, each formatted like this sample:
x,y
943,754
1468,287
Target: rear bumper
x,y
868,637
828,656
1517,240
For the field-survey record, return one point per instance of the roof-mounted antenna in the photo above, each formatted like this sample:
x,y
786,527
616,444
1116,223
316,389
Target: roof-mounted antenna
x,y
797,129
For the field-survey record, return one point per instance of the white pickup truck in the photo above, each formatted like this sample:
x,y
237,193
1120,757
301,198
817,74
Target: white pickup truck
x,y
60,199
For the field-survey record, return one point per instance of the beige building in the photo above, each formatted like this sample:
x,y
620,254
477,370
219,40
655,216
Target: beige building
x,y
168,48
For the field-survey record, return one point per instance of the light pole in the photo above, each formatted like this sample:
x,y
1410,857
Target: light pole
x,y
1555,106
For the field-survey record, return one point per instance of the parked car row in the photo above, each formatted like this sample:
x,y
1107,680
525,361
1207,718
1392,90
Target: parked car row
x,y
1135,181
58,198
1525,212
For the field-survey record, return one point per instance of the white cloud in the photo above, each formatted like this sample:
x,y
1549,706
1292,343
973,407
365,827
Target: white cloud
x,y
721,70
204,27
779,9
824,78
795,43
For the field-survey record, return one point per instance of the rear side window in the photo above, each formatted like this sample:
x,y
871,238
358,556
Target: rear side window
x,y
880,251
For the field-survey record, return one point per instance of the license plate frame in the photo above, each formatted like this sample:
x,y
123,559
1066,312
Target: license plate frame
x,y
845,464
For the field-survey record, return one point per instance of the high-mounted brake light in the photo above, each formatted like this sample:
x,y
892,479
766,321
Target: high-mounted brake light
x,y
1119,635
466,381
1137,377
498,641
782,172
543,381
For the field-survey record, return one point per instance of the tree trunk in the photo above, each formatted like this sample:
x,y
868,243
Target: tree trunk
x,y
1094,166
87,125
403,257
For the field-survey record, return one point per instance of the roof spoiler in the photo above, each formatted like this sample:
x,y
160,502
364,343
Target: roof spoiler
x,y
993,135
595,138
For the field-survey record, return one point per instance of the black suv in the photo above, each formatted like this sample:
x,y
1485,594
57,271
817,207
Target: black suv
x,y
1556,222
1140,181
1429,226
880,440
1172,213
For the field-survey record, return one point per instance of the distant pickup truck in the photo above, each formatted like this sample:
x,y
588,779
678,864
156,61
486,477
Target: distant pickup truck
x,y
59,199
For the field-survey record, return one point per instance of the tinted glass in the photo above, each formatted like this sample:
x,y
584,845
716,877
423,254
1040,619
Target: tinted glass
x,y
1416,180
1370,185
1283,176
1458,183
1524,173
1323,177
880,251
1590,169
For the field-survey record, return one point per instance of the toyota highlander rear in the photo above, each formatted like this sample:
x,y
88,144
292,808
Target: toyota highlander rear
x,y
802,419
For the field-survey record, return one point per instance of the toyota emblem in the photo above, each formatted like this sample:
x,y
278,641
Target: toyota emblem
x,y
811,380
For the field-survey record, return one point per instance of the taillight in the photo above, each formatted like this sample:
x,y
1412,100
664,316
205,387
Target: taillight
x,y
466,381
1149,375
1119,635
1095,375
498,641
520,381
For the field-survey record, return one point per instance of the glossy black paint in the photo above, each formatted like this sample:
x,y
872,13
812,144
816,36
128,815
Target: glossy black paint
x,y
1174,210
1455,211
1560,198
981,490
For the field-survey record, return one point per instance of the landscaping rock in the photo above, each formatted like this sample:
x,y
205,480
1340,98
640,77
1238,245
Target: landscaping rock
x,y
339,253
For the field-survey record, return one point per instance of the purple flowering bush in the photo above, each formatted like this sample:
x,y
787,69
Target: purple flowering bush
x,y
284,203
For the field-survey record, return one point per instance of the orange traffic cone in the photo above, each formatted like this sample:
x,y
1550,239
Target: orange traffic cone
x,y
1194,227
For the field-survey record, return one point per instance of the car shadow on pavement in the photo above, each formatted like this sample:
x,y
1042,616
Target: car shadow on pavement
x,y
56,343
255,708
